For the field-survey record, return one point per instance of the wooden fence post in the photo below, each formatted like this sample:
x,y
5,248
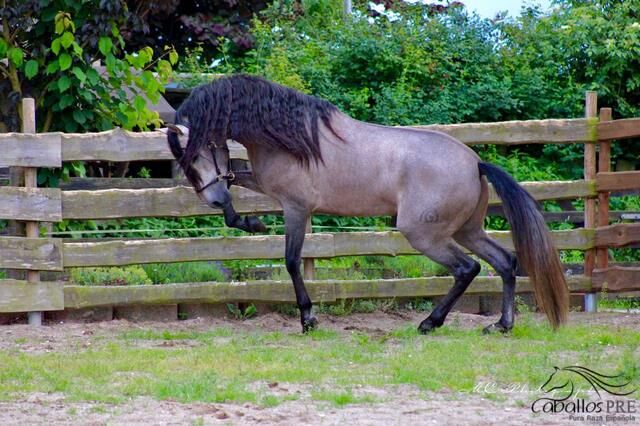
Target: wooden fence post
x,y
591,111
604,165
309,263
347,7
31,181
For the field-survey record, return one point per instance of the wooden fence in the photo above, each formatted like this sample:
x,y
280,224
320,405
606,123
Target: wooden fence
x,y
34,205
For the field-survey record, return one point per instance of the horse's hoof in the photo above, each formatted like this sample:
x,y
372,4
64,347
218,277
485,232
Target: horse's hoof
x,y
427,326
309,324
255,225
496,328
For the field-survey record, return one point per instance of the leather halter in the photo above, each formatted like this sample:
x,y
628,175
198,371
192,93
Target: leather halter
x,y
229,177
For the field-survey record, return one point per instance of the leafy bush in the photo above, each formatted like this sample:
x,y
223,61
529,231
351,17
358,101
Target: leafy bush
x,y
409,65
185,272
128,275
50,48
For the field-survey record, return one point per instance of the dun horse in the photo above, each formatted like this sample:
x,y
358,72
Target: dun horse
x,y
312,158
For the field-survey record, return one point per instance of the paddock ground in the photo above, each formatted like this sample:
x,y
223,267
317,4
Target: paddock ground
x,y
59,367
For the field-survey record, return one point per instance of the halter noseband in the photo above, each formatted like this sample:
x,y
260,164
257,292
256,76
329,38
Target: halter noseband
x,y
229,177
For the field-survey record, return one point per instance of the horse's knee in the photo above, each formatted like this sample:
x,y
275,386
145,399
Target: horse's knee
x,y
466,271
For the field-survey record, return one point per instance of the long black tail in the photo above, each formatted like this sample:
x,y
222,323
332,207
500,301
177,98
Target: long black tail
x,y
535,251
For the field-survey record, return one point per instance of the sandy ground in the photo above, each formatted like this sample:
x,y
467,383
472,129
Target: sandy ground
x,y
395,405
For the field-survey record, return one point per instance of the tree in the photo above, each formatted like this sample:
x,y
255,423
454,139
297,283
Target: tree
x,y
49,47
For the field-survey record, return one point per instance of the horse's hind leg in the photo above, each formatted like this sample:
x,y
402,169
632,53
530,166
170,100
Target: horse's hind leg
x,y
463,268
503,262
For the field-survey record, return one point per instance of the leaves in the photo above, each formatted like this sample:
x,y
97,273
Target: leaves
x,y
65,61
66,39
105,44
15,55
80,75
55,45
31,68
64,83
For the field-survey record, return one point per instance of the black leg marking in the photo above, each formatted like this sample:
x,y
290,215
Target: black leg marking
x,y
294,236
248,223
505,265
464,270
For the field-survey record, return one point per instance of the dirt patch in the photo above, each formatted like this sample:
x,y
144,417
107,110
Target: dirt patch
x,y
393,406
56,336
387,405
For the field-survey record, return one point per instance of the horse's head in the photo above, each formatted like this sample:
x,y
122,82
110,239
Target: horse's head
x,y
206,164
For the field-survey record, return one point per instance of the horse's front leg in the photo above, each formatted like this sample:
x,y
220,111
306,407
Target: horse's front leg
x,y
295,221
247,223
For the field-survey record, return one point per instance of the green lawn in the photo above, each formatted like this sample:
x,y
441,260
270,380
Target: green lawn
x,y
224,365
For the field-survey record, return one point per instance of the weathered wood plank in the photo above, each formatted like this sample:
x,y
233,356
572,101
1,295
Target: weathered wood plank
x,y
553,190
76,297
158,202
319,245
30,150
394,244
437,286
129,252
122,145
616,279
618,235
38,254
618,181
256,291
182,200
94,184
619,129
23,296
520,132
34,204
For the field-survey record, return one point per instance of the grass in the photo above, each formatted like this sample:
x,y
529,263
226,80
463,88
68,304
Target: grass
x,y
612,302
361,306
226,365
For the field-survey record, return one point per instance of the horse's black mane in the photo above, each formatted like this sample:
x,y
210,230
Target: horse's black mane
x,y
253,110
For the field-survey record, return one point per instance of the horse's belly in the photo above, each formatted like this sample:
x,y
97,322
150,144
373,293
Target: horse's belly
x,y
355,203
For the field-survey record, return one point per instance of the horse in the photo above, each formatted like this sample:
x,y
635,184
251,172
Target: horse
x,y
312,158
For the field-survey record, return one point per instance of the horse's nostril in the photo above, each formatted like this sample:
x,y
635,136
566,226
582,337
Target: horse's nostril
x,y
217,204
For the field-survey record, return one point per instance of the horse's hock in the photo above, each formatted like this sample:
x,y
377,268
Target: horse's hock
x,y
115,199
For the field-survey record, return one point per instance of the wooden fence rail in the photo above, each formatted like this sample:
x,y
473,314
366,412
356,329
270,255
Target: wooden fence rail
x,y
99,199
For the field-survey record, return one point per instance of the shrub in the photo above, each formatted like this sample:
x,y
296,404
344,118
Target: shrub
x,y
128,275
186,272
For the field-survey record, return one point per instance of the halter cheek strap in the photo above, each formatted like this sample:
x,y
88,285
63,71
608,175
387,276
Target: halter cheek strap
x,y
229,177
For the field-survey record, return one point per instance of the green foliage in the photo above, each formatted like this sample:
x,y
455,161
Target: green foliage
x,y
50,48
128,275
185,272
608,301
411,66
55,53
242,314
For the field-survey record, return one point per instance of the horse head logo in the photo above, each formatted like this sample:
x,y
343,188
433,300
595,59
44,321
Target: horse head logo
x,y
563,381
